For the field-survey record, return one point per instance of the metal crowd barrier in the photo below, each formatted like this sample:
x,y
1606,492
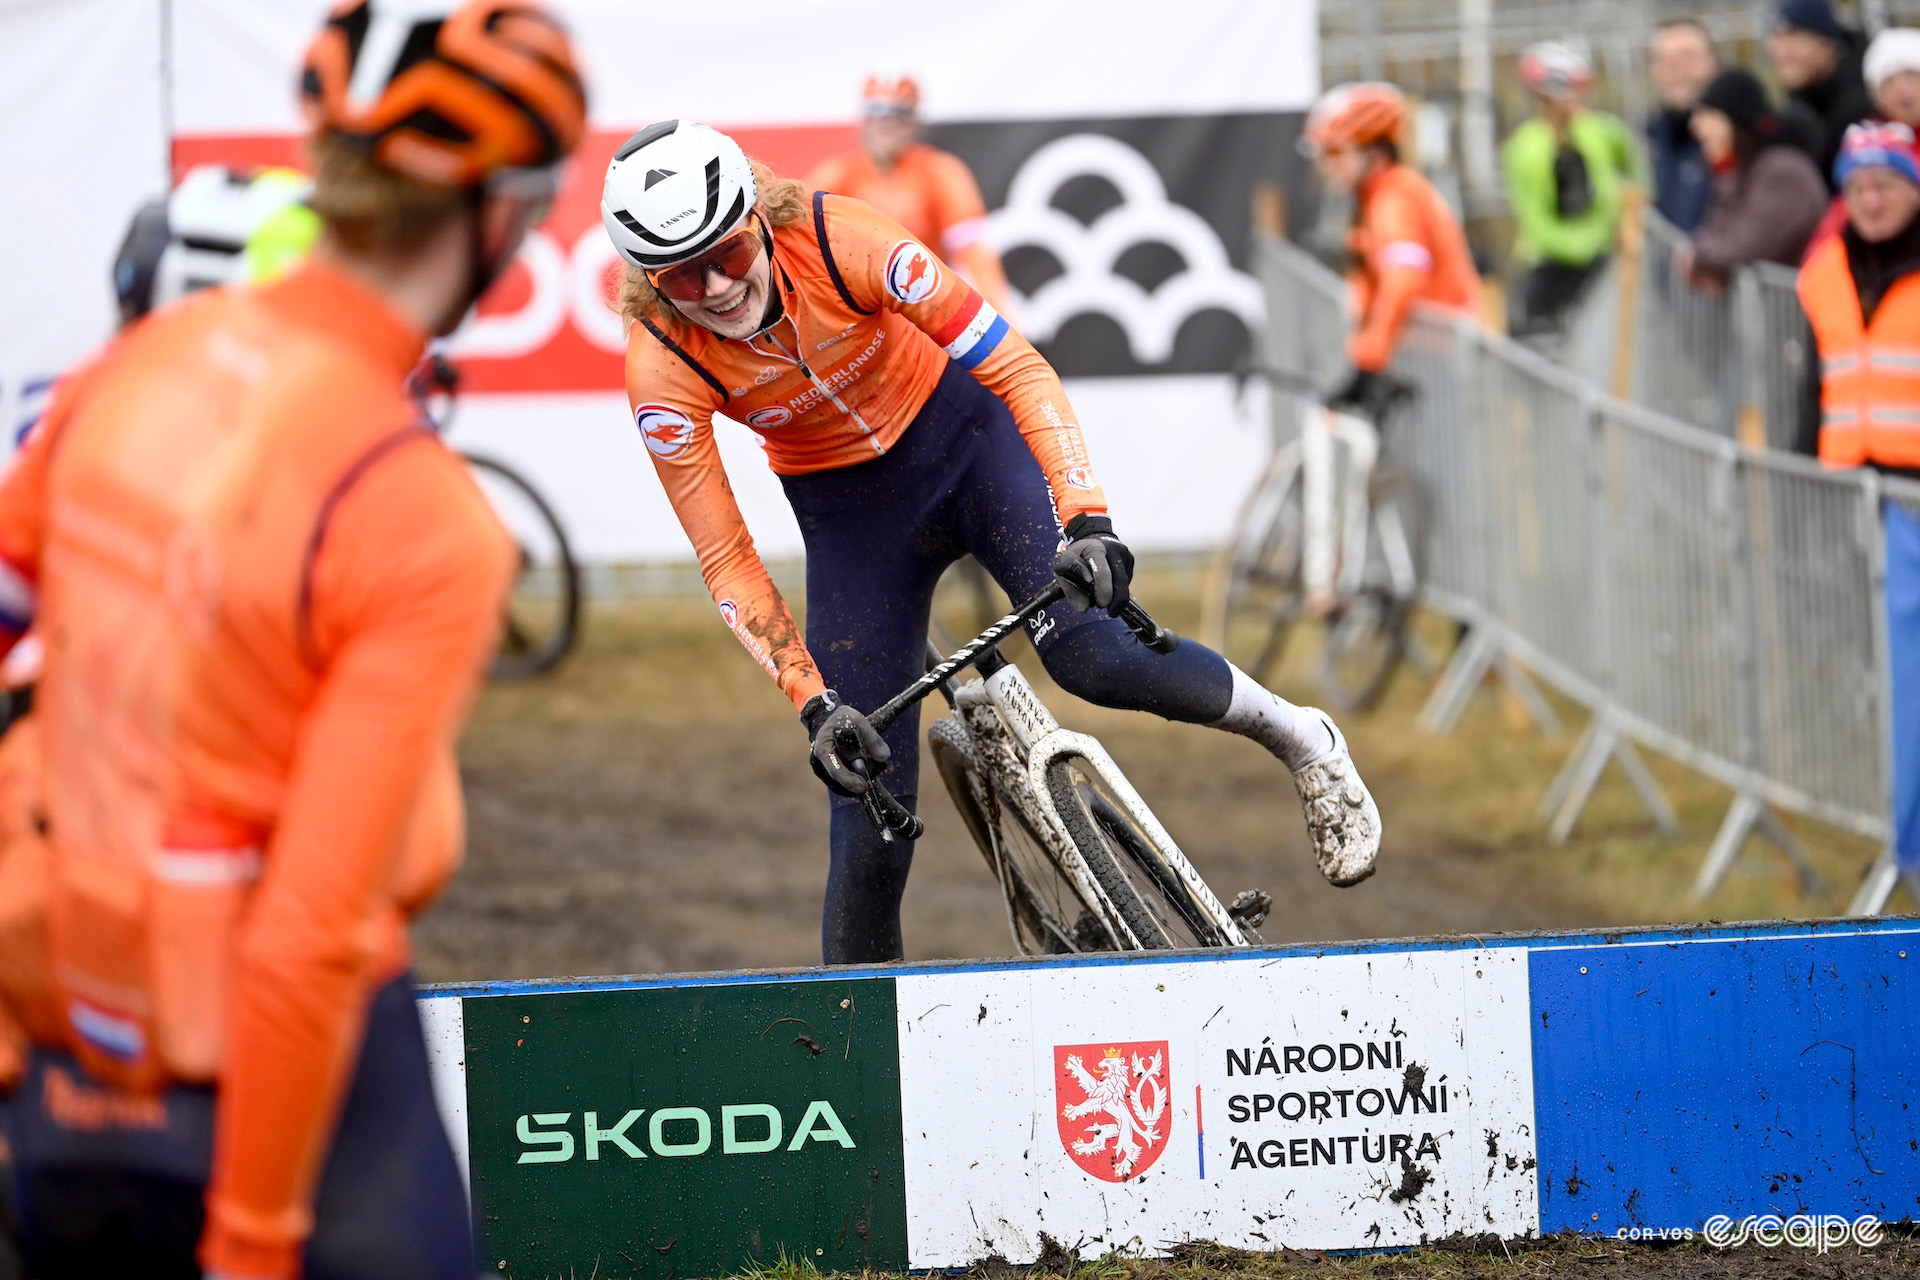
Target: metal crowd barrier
x,y
1735,362
1719,604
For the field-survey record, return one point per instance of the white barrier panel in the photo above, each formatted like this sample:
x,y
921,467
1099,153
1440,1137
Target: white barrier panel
x,y
1321,1103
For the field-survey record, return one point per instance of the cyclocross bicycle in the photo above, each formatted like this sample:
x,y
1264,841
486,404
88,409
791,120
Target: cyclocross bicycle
x,y
543,613
1081,861
1324,534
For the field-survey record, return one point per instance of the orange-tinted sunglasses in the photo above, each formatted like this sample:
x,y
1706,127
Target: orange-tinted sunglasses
x,y
733,257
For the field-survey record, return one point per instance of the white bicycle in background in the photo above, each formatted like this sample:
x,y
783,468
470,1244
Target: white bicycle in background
x,y
1082,862
1325,534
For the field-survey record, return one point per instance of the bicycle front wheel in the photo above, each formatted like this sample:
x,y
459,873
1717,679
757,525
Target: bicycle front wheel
x,y
543,613
1045,911
1255,590
1144,882
1366,635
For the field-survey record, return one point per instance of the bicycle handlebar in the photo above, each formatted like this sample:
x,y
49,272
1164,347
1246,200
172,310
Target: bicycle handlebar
x,y
893,820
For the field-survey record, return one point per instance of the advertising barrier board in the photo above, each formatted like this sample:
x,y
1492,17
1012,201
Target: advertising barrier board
x,y
1349,1096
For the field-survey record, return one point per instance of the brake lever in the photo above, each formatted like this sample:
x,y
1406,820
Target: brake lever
x,y
893,820
1150,633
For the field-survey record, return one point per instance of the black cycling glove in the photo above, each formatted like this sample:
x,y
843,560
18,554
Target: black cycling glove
x,y
843,742
1364,394
1095,567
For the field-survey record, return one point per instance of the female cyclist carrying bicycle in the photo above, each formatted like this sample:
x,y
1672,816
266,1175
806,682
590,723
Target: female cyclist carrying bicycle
x,y
908,425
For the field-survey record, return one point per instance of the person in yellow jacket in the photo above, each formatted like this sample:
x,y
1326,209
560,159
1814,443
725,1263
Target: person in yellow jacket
x,y
1861,292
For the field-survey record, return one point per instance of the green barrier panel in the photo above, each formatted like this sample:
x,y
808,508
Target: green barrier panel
x,y
687,1132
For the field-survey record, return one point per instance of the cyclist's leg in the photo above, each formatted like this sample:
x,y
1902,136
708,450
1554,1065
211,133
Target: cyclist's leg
x,y
391,1200
1010,525
875,550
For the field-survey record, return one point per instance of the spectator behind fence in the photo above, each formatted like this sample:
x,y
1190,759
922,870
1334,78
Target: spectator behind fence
x,y
1682,62
1861,292
1564,170
1892,69
1819,62
1767,196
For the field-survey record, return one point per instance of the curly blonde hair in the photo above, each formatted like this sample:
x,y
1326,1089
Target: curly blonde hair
x,y
783,201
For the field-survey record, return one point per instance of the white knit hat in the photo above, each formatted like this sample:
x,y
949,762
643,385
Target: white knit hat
x,y
1894,50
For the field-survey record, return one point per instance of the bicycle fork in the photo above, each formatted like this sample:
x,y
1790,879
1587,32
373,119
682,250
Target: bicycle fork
x,y
1039,741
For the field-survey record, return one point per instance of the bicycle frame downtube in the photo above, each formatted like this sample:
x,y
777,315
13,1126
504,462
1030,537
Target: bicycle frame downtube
x,y
891,709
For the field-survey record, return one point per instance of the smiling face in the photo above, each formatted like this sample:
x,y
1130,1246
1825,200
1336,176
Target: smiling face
x,y
1681,62
733,308
1880,203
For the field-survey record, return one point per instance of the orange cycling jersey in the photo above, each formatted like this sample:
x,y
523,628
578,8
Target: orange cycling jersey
x,y
1407,246
931,193
871,320
266,593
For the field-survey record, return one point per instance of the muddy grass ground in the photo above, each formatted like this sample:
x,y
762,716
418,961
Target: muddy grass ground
x,y
648,808
1896,1255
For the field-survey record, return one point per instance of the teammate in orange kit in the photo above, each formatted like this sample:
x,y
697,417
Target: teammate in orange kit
x,y
909,425
926,190
1406,244
267,591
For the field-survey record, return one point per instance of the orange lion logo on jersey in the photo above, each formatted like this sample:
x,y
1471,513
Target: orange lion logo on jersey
x,y
666,430
912,272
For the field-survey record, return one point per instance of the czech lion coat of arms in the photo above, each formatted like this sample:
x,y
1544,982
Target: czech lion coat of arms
x,y
1112,1106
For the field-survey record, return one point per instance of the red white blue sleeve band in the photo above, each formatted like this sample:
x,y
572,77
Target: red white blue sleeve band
x,y
975,330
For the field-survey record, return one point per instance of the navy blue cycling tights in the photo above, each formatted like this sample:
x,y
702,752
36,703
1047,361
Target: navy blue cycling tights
x,y
960,479
108,1200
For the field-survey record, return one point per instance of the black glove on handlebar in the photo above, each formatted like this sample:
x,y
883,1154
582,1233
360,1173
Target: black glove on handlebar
x,y
843,742
1366,395
1095,568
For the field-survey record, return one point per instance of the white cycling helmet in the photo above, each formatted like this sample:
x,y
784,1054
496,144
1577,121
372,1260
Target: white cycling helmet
x,y
673,190
196,237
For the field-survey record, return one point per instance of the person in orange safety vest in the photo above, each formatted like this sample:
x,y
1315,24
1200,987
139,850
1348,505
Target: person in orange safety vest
x,y
928,191
266,592
1861,293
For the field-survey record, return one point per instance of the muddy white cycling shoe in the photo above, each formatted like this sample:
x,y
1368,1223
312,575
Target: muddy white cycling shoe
x,y
1342,819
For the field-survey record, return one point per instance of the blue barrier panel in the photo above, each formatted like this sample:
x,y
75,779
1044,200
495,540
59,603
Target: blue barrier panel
x,y
1677,1080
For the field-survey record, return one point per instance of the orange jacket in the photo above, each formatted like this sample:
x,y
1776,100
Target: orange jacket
x,y
932,194
1407,246
267,593
1869,373
867,333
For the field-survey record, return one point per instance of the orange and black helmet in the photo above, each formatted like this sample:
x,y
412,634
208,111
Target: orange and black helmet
x,y
447,96
1354,115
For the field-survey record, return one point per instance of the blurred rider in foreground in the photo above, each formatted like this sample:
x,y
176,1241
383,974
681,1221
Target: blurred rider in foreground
x,y
267,592
928,191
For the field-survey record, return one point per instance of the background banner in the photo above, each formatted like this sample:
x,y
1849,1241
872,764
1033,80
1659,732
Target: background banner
x,y
1118,153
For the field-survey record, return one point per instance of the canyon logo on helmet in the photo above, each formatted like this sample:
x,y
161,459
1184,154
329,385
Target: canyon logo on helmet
x,y
673,191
